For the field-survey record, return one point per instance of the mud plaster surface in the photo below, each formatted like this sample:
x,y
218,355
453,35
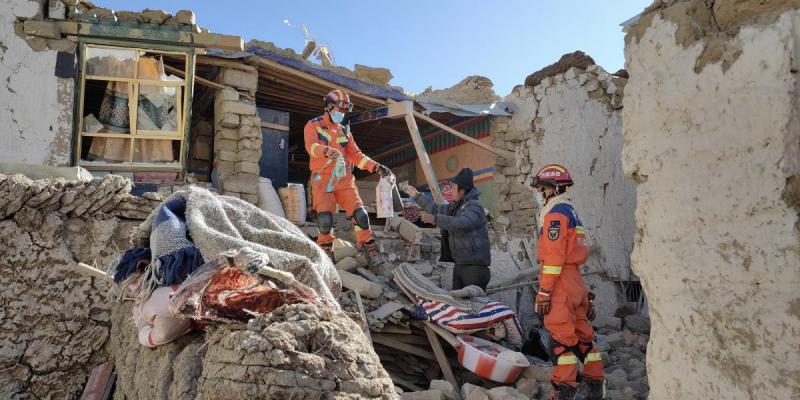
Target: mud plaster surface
x,y
717,256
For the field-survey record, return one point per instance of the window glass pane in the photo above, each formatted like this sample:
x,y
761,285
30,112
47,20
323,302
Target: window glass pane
x,y
106,107
158,108
105,150
110,62
164,151
151,67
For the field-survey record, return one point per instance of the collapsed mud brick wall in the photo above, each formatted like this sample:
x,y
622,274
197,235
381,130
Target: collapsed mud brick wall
x,y
297,352
237,133
56,320
571,118
712,136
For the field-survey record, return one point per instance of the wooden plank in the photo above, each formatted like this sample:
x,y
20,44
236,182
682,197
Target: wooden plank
x,y
424,160
311,78
441,358
404,383
97,387
360,304
398,345
224,62
449,337
277,127
165,36
204,82
409,339
88,269
503,153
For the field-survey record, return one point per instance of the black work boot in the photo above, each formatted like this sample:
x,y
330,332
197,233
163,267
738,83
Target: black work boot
x,y
563,392
595,390
328,247
374,257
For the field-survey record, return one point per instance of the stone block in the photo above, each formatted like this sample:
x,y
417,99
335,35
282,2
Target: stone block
x,y
592,84
247,167
233,194
237,107
226,133
185,17
347,264
65,45
239,79
228,155
228,93
45,29
56,9
129,17
571,73
226,145
251,120
229,121
155,16
249,144
249,155
249,132
505,393
241,183
423,395
36,43
445,387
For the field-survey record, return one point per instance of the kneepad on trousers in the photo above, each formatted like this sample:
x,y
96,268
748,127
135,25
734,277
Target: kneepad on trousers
x,y
325,222
361,218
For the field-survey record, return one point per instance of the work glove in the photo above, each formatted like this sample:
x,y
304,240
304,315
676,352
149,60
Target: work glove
x,y
541,304
383,170
590,312
334,155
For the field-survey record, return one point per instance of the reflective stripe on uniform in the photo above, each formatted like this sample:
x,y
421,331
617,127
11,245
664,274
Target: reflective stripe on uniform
x,y
551,269
363,162
324,134
580,230
341,139
593,357
313,149
567,360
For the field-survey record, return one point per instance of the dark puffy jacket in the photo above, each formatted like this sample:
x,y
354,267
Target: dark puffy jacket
x,y
465,226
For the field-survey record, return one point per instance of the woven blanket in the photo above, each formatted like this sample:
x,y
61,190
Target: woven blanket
x,y
216,224
460,322
414,283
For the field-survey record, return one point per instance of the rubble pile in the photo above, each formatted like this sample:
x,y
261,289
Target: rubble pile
x,y
55,320
296,351
473,89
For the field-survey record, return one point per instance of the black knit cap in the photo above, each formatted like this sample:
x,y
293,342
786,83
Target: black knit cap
x,y
464,179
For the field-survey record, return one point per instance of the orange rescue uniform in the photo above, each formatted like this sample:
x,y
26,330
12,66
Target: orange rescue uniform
x,y
322,138
562,249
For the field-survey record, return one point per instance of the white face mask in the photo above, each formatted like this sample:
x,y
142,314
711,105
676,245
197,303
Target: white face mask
x,y
539,199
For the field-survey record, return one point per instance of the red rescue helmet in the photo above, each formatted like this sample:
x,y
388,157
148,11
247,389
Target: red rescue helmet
x,y
340,99
552,174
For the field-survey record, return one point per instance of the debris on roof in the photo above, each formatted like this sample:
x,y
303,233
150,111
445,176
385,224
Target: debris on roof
x,y
577,59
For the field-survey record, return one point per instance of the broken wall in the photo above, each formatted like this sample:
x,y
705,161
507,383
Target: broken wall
x,y
573,119
28,82
712,136
55,320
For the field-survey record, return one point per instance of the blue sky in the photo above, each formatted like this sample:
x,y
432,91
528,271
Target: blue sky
x,y
427,43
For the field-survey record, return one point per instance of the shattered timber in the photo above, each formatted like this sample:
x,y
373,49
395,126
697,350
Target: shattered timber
x,y
164,248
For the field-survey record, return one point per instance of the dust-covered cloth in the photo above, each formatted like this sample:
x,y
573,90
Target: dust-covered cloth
x,y
217,224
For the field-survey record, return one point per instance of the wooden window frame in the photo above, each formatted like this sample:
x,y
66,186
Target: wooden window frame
x,y
183,113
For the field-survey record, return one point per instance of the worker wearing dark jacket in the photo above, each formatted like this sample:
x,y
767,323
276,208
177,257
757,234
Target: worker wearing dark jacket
x,y
464,233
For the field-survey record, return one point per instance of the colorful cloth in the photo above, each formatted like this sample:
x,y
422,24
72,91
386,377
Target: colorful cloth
x,y
460,322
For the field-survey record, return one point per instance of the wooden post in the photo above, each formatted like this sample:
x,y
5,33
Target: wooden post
x,y
503,153
422,154
444,365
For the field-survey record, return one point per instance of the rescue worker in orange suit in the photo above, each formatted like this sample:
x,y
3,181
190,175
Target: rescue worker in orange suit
x,y
563,298
329,144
